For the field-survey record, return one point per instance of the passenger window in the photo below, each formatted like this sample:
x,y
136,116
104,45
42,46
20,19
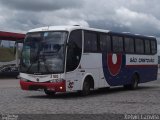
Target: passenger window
x,y
139,46
90,42
117,44
74,50
147,47
153,47
129,45
105,43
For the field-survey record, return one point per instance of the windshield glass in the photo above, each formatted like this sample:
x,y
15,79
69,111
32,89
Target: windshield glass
x,y
43,53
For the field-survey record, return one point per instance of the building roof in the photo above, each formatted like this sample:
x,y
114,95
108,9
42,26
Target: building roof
x,y
11,36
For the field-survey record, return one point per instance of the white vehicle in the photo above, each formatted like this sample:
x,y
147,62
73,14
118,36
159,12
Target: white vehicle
x,y
75,58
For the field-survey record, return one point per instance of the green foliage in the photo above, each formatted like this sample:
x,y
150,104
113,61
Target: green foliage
x,y
6,54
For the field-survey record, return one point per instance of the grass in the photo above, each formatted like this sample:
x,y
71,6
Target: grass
x,y
6,54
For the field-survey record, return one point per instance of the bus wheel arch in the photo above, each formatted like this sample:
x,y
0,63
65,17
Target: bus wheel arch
x,y
138,76
135,79
90,80
49,93
88,83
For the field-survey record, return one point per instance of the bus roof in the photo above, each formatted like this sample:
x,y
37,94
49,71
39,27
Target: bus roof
x,y
65,28
74,27
128,34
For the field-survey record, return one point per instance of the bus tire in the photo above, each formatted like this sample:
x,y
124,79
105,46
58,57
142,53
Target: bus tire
x,y
134,83
86,88
49,93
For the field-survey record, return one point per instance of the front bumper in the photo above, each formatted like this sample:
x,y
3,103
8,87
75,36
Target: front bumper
x,y
57,87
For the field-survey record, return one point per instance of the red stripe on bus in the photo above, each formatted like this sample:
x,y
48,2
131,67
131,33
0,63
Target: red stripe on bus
x,y
141,65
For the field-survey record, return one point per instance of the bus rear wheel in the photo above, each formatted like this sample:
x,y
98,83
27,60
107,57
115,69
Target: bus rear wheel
x,y
134,84
49,93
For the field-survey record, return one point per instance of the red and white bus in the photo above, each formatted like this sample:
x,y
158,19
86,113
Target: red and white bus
x,y
76,58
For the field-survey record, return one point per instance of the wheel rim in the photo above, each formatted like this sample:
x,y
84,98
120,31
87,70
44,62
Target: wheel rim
x,y
135,84
86,88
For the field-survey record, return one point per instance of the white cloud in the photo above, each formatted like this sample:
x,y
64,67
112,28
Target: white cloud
x,y
137,16
40,5
137,22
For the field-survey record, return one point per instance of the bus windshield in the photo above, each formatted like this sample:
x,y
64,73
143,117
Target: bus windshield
x,y
43,52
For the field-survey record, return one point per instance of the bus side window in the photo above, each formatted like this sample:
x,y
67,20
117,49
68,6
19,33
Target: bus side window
x,y
117,44
139,44
129,45
105,43
90,42
153,47
147,47
74,50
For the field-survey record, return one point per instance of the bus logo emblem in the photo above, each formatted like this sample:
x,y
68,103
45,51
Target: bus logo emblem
x,y
114,62
37,80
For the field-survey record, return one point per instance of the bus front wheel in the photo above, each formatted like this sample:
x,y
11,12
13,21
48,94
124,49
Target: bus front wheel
x,y
86,88
49,93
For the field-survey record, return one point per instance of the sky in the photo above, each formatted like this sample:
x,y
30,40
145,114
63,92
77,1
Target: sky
x,y
135,16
